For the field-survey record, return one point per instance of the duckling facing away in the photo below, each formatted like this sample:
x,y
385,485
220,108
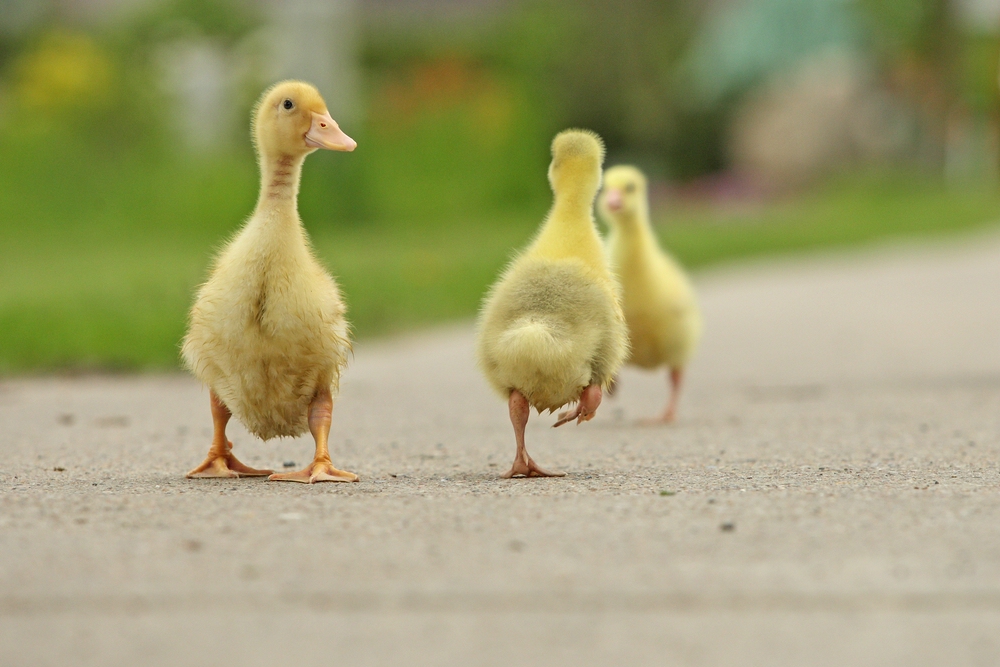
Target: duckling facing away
x,y
267,331
551,330
664,322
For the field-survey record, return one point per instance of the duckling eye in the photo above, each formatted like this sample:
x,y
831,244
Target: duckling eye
x,y
630,187
288,104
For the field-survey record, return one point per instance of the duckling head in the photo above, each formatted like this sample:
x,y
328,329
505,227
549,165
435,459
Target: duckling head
x,y
291,118
623,196
575,170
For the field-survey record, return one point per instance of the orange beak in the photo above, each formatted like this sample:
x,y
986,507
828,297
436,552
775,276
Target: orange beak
x,y
613,200
325,133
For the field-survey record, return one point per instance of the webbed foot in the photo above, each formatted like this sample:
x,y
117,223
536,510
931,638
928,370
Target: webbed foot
x,y
317,471
225,465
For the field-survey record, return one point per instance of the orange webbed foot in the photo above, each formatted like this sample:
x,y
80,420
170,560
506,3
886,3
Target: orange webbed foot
x,y
317,471
529,468
586,408
225,465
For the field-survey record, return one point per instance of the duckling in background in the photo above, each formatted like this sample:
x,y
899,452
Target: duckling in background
x,y
551,330
661,310
268,333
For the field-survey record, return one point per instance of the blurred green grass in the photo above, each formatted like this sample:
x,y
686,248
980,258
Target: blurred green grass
x,y
100,255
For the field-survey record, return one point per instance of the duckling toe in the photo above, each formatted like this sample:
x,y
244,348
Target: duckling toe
x,y
530,470
586,408
567,416
318,471
212,468
227,465
525,466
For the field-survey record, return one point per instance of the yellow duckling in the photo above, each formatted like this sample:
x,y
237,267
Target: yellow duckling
x,y
660,307
551,330
267,330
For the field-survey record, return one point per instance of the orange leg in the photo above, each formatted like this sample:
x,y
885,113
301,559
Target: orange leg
x,y
321,469
523,466
676,376
220,461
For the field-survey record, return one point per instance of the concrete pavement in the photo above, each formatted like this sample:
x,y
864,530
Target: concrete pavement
x,y
829,496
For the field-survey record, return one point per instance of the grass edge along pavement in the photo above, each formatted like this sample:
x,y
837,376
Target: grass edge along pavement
x,y
110,290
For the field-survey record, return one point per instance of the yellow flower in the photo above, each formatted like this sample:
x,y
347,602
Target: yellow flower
x,y
66,70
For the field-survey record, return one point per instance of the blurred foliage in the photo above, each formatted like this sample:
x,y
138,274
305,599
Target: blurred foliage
x,y
107,224
101,277
448,136
226,20
468,107
609,67
100,88
919,27
62,84
65,71
977,75
934,64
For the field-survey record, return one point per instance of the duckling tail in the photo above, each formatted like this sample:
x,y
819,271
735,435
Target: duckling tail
x,y
535,343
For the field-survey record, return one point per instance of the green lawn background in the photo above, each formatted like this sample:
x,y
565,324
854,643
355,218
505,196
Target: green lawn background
x,y
98,263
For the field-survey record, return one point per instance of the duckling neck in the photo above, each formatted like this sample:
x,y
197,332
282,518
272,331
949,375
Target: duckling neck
x,y
634,227
573,204
279,182
570,230
632,239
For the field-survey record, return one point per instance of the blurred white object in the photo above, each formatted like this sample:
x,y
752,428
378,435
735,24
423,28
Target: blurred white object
x,y
979,15
316,41
823,113
197,78
205,79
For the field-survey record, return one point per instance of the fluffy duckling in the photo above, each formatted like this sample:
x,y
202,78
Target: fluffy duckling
x,y
660,307
551,330
268,333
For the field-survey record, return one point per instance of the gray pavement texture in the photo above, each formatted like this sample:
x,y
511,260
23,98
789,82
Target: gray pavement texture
x,y
829,496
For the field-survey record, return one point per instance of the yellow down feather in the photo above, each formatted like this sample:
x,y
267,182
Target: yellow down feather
x,y
268,329
658,300
552,324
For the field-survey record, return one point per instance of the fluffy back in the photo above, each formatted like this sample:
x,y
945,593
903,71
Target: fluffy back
x,y
548,329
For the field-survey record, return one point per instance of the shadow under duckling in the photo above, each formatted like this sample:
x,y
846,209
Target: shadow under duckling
x,y
659,302
268,333
551,331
